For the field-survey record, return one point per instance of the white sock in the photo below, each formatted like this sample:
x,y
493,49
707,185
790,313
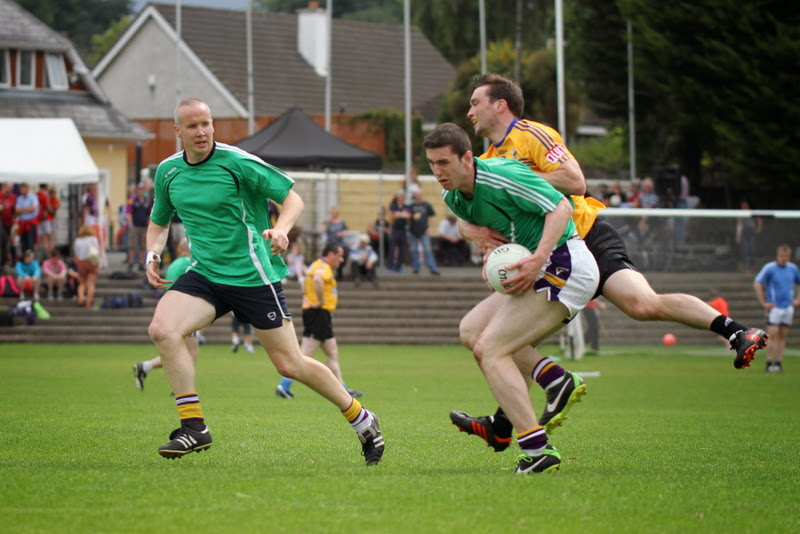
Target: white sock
x,y
363,420
147,366
235,340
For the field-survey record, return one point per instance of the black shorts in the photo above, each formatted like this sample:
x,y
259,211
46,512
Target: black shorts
x,y
609,251
317,324
264,307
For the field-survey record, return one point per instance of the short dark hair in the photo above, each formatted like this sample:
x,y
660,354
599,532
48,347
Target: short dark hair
x,y
333,246
448,134
501,87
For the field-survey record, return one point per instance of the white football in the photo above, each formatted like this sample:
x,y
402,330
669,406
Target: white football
x,y
499,259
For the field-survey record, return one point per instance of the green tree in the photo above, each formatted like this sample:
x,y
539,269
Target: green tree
x,y
453,25
102,43
78,19
713,84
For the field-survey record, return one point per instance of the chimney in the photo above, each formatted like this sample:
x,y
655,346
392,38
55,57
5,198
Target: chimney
x,y
312,37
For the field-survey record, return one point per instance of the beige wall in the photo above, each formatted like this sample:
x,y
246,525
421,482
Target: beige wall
x,y
114,157
360,196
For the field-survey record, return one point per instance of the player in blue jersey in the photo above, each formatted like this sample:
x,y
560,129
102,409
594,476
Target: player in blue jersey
x,y
553,285
221,194
776,290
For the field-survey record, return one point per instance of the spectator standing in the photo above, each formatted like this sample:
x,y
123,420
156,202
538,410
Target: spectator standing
x,y
335,228
747,230
86,250
138,216
29,274
399,215
422,216
647,196
378,232
48,225
453,249
8,201
363,261
44,226
776,289
89,206
27,210
55,275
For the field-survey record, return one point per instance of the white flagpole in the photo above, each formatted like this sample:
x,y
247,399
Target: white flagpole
x,y
562,113
407,39
251,123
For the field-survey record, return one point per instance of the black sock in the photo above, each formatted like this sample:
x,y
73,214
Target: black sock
x,y
725,326
501,425
197,425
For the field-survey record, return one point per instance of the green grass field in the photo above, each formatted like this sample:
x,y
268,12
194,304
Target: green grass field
x,y
666,440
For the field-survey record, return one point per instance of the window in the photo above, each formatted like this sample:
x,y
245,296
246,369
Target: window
x,y
56,71
26,69
5,74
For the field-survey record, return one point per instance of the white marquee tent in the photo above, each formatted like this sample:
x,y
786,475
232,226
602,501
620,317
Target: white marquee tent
x,y
44,151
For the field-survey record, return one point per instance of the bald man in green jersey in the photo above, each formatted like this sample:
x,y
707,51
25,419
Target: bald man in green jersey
x,y
221,194
553,284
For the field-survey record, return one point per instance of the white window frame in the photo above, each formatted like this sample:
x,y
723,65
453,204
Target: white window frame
x,y
5,67
20,55
56,71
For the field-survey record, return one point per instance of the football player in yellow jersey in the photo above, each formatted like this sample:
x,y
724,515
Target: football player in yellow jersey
x,y
496,106
320,297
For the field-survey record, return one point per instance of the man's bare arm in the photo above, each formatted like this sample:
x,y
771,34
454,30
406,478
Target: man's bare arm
x,y
568,178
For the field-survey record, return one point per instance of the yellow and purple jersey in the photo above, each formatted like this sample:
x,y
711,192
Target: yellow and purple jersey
x,y
542,150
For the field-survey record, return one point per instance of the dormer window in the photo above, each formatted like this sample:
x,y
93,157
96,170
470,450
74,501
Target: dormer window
x,y
56,72
5,69
26,72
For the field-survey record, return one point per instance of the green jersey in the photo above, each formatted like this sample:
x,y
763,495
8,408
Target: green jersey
x,y
179,265
510,198
223,203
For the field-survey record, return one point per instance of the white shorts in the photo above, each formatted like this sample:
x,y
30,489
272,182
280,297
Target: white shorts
x,y
570,276
780,316
46,227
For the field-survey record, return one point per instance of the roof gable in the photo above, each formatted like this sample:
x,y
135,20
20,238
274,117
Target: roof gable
x,y
367,61
20,29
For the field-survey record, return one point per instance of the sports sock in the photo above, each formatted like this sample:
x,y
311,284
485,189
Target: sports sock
x,y
234,340
501,425
147,366
286,383
725,326
532,441
190,412
358,417
547,374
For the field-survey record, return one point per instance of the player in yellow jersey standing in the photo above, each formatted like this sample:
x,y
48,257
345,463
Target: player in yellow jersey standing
x,y
496,106
320,297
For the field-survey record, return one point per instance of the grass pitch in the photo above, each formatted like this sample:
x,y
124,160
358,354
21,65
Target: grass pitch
x,y
668,439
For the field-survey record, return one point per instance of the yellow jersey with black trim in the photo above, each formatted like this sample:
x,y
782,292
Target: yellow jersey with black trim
x,y
542,150
330,295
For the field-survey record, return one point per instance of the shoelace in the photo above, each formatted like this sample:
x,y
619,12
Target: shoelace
x,y
521,456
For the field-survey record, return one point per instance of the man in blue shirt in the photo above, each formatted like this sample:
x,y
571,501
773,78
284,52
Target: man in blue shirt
x,y
775,290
